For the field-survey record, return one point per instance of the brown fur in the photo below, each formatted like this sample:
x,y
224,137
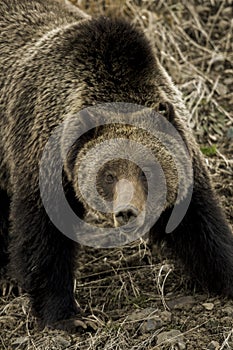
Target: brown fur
x,y
55,62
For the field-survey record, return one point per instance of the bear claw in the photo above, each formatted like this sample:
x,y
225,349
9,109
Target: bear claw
x,y
8,287
77,325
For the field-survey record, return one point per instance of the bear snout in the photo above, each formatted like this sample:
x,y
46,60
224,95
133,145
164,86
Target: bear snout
x,y
125,215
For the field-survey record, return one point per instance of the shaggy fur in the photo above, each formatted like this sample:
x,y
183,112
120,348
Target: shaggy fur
x,y
54,62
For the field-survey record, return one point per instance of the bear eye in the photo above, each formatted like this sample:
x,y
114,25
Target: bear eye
x,y
109,178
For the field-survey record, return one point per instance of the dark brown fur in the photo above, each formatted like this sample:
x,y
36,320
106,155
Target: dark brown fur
x,y
53,62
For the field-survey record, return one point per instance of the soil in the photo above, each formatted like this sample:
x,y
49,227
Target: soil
x,y
143,299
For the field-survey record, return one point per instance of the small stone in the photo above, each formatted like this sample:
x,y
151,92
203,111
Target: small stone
x,y
181,345
208,306
221,89
213,345
172,337
151,318
151,325
227,11
228,81
155,322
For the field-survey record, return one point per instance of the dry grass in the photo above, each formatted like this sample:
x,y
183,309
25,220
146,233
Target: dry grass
x,y
194,42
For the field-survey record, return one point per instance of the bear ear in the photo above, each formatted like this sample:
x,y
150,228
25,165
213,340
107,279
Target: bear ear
x,y
166,108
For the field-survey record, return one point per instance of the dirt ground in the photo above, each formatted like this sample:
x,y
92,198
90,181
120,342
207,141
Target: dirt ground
x,y
143,299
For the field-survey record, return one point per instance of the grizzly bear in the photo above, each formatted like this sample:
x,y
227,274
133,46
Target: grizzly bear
x,y
55,62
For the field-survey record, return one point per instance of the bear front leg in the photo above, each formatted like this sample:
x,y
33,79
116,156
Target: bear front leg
x,y
203,240
42,260
4,227
6,284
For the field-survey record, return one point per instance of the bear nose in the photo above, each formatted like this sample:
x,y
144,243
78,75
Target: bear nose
x,y
126,215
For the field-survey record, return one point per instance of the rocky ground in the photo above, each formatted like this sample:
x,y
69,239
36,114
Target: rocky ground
x,y
144,299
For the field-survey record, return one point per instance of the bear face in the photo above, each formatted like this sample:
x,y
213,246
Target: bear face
x,y
120,182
